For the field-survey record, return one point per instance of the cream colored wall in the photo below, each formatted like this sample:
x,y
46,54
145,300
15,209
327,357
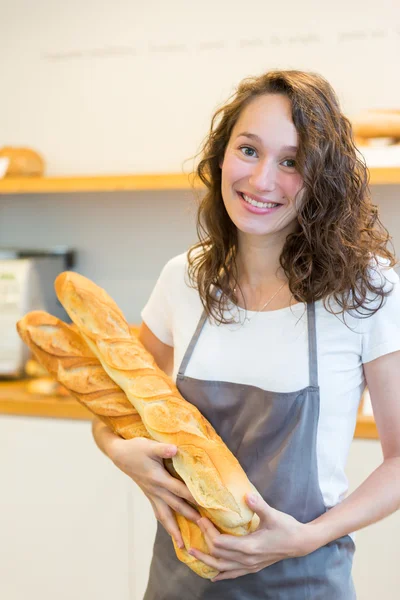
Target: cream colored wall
x,y
103,110
130,87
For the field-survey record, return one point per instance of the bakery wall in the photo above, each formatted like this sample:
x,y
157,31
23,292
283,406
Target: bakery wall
x,y
126,87
123,239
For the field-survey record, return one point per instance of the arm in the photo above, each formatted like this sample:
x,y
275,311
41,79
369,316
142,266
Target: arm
x,y
105,439
379,495
280,536
162,353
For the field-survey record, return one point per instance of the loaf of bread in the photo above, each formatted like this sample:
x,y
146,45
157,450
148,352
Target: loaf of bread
x,y
23,162
377,123
66,356
59,348
212,473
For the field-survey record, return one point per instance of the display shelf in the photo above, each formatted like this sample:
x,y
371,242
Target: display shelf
x,y
120,183
384,175
100,183
16,400
366,428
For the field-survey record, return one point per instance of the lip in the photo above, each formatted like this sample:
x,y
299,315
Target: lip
x,y
255,209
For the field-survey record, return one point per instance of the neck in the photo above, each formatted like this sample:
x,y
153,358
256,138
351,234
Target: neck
x,y
258,262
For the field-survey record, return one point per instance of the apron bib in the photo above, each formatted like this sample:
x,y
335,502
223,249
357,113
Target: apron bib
x,y
273,435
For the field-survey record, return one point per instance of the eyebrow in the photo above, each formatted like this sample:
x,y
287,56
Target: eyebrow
x,y
258,139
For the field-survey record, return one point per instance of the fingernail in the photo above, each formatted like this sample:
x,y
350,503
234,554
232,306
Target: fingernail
x,y
252,498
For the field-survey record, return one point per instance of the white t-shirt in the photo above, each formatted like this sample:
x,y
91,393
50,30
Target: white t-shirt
x,y
271,352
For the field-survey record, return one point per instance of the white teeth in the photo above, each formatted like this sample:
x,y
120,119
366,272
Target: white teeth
x,y
258,204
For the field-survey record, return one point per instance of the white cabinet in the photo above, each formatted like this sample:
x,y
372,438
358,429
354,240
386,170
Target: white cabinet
x,y
72,525
376,572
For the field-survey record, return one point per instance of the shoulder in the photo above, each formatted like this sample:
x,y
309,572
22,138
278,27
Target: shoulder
x,y
384,294
381,274
175,271
174,281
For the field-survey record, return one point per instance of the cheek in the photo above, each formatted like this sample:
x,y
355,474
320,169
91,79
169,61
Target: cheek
x,y
233,169
292,185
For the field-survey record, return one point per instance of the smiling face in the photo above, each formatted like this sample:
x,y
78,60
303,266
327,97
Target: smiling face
x,y
259,176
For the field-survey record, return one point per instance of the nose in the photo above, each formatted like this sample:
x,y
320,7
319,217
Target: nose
x,y
263,176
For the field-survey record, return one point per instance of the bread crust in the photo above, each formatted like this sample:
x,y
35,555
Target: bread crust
x,y
211,472
60,349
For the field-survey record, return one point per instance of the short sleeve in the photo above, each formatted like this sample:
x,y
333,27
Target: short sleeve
x,y
381,331
157,314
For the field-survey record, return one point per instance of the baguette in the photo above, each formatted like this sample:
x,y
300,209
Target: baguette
x,y
59,348
203,461
377,123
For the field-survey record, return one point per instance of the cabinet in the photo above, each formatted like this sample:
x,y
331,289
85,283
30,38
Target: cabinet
x,y
72,525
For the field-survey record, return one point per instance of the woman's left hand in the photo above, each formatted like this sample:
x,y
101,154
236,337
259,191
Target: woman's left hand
x,y
278,536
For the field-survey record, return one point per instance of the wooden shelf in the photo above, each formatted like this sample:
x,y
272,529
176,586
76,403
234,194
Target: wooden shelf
x,y
118,183
366,428
16,400
384,175
112,183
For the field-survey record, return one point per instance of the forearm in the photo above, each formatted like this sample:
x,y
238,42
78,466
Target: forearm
x,y
103,436
376,498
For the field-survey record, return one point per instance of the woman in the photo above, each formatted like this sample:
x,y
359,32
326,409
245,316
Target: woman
x,y
272,325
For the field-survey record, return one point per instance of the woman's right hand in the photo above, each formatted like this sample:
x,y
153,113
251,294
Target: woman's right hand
x,y
142,460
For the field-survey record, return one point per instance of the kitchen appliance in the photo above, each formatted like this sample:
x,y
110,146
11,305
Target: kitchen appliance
x,y
27,283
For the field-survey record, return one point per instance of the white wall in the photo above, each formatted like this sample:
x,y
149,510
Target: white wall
x,y
129,87
113,86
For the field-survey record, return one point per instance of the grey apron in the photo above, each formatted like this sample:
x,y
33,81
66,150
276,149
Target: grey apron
x,y
273,435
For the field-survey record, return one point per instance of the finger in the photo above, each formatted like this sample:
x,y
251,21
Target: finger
x,y
266,513
216,563
247,544
167,519
244,559
160,450
232,555
232,574
179,489
178,505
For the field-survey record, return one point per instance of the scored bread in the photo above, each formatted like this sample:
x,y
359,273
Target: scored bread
x,y
67,357
212,473
60,349
377,123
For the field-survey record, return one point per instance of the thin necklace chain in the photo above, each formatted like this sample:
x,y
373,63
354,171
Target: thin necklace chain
x,y
248,319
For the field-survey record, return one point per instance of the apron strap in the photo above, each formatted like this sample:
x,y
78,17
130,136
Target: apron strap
x,y
312,345
190,348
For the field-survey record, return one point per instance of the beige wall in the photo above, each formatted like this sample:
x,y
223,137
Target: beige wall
x,y
75,94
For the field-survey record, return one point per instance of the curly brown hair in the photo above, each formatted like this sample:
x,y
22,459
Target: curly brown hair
x,y
339,231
